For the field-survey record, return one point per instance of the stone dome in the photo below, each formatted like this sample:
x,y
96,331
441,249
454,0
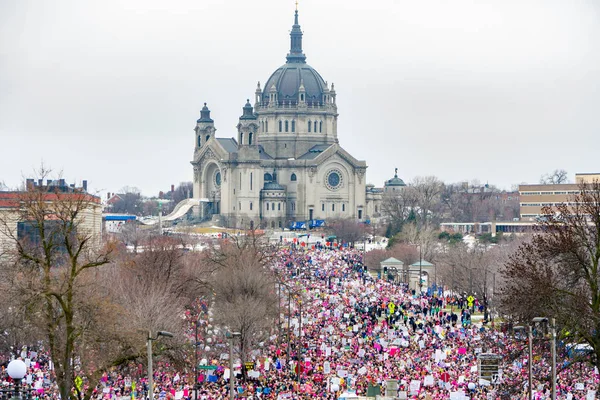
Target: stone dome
x,y
395,181
288,78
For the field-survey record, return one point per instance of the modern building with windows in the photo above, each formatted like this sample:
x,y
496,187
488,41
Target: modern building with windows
x,y
286,163
534,197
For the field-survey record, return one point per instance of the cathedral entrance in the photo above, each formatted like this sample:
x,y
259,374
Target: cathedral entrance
x,y
212,190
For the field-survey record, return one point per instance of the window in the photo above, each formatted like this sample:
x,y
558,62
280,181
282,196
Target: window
x,y
359,214
279,224
250,180
250,206
280,126
320,126
250,137
267,206
199,141
301,97
278,206
266,126
343,207
287,126
273,206
240,181
333,207
309,126
375,208
323,207
293,126
293,178
242,138
240,206
262,125
273,224
315,126
207,137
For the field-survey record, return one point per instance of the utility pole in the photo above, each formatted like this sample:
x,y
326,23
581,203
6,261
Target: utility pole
x,y
530,361
300,341
150,371
196,362
553,344
420,270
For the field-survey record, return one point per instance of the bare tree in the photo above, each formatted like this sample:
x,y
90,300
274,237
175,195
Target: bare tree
x,y
348,230
427,191
245,299
557,273
556,177
53,258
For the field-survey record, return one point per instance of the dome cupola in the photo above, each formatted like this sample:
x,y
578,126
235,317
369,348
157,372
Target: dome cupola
x,y
288,78
395,181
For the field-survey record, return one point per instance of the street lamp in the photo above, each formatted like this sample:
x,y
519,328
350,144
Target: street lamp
x,y
231,336
544,320
530,363
150,339
16,369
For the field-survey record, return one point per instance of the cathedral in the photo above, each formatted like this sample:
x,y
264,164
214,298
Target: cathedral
x,y
286,165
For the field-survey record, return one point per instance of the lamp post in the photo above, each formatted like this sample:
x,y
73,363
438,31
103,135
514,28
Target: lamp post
x,y
231,336
420,270
149,341
16,369
530,362
544,320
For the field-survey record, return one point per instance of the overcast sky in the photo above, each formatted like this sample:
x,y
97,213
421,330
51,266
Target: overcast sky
x,y
500,90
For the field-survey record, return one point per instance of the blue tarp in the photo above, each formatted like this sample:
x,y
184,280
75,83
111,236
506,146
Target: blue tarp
x,y
119,217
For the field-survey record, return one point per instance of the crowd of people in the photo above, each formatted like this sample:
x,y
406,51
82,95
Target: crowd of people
x,y
349,334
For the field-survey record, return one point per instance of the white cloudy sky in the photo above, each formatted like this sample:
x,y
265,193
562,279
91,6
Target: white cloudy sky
x,y
496,90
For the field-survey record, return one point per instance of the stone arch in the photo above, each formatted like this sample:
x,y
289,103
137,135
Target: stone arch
x,y
212,180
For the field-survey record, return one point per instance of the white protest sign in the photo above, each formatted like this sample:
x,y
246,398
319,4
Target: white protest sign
x,y
362,370
179,395
428,381
591,395
326,367
579,386
361,353
414,387
457,395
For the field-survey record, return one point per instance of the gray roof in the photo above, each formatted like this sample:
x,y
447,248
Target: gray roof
x,y
392,261
422,263
230,145
263,154
314,152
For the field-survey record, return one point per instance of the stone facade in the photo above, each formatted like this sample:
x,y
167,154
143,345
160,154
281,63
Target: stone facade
x,y
286,163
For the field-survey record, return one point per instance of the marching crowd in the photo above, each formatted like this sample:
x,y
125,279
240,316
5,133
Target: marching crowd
x,y
350,334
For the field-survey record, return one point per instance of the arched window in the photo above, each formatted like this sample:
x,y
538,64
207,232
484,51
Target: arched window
x,y
241,137
301,97
293,126
315,126
207,137
293,178
320,126
250,137
267,206
273,206
309,126
287,126
266,126
280,126
199,141
262,125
